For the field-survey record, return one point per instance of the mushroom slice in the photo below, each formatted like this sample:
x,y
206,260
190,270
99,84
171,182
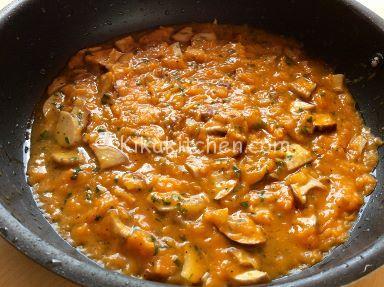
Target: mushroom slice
x,y
244,258
323,122
109,156
216,129
193,267
299,106
53,103
222,184
356,147
205,36
300,191
118,227
197,166
176,50
126,44
81,115
251,277
297,156
184,35
66,157
68,130
132,181
165,201
303,86
337,82
195,204
238,227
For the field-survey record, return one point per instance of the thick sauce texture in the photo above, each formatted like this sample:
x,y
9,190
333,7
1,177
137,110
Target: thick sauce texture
x,y
201,155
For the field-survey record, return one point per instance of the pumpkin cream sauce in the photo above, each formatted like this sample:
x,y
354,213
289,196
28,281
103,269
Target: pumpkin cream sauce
x,y
202,154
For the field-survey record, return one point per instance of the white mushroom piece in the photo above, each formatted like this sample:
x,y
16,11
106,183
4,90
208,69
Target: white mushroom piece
x,y
251,277
304,184
196,165
304,87
337,82
299,106
165,201
169,201
126,44
244,258
238,227
222,184
323,122
108,156
53,103
184,35
133,182
68,130
67,157
297,156
176,49
356,147
193,267
206,36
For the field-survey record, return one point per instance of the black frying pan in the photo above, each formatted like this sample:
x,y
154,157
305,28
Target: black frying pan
x,y
38,36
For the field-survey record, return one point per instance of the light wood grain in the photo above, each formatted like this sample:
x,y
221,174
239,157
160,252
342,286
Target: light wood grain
x,y
16,270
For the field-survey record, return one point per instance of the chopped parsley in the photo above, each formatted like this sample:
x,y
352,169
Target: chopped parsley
x,y
244,204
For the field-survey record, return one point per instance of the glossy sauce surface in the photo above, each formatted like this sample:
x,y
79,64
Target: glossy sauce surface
x,y
201,154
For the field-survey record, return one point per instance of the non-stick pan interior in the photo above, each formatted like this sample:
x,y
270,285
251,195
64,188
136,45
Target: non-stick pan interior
x,y
38,37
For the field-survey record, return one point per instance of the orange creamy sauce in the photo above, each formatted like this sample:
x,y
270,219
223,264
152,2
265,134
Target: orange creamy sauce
x,y
107,167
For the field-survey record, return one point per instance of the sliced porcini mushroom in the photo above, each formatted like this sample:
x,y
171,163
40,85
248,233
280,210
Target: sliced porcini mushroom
x,y
193,267
184,35
205,36
194,204
196,165
356,147
323,122
337,82
244,258
104,57
216,129
165,201
133,181
137,239
297,156
68,130
53,103
300,191
108,156
175,47
81,115
118,227
251,277
126,44
222,184
299,106
252,171
238,227
66,157
304,87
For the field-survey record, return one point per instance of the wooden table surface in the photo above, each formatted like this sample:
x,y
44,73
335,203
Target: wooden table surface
x,y
16,270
